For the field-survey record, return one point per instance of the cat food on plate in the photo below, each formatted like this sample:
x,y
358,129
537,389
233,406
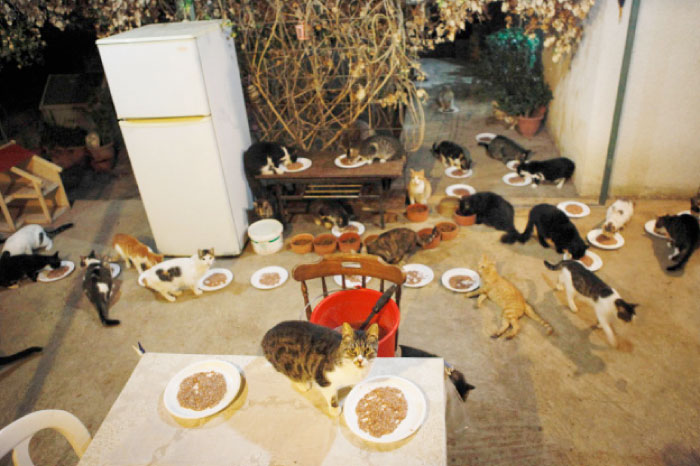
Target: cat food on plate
x,y
574,209
381,411
346,161
587,260
215,279
350,228
269,278
414,277
202,390
606,240
57,273
461,192
295,166
461,282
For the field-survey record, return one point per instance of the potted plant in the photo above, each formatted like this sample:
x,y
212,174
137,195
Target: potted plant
x,y
527,101
100,140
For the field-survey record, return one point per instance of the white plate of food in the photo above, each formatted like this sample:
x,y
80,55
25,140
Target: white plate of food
x,y
202,389
512,165
51,275
351,281
269,277
454,172
353,226
215,279
590,260
343,162
650,227
603,240
459,190
417,275
300,165
407,409
485,137
461,280
574,209
115,269
514,179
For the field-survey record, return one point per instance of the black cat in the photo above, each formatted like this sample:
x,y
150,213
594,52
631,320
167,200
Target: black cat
x,y
455,376
684,232
4,360
556,170
492,210
15,268
551,222
97,285
452,155
265,158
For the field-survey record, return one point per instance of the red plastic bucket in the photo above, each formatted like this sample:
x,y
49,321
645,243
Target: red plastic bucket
x,y
353,306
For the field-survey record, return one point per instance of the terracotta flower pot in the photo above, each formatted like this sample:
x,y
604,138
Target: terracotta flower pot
x,y
325,243
417,212
448,230
426,232
302,243
349,242
528,126
448,206
464,220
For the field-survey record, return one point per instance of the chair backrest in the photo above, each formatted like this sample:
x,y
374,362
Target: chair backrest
x,y
364,265
16,436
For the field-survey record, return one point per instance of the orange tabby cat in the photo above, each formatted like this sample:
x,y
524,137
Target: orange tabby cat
x,y
419,189
134,252
505,294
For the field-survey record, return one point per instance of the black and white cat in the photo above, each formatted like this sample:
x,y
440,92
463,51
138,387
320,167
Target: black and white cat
x,y
456,377
31,237
607,303
265,158
329,213
172,276
10,358
553,223
15,268
684,232
505,149
493,210
557,170
97,285
452,155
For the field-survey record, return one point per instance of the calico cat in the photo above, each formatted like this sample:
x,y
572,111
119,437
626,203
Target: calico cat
x,y
452,155
133,252
354,135
684,232
504,149
617,215
329,213
9,359
97,285
553,223
419,189
455,376
492,210
15,268
31,237
311,355
171,276
398,243
557,170
507,296
606,302
265,158
263,209
446,100
379,147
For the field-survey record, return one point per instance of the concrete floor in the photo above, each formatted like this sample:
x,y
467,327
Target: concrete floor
x,y
561,399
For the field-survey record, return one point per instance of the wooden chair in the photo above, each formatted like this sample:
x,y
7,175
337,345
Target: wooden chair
x,y
365,265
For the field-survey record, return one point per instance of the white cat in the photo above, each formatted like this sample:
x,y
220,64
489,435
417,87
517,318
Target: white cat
x,y
31,237
170,277
617,215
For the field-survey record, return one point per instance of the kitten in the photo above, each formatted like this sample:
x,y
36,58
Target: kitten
x,y
329,213
399,243
133,252
379,147
171,276
446,100
265,158
557,170
452,155
505,149
15,268
455,376
507,296
354,135
4,360
617,215
263,209
553,223
97,285
31,237
492,210
315,356
606,302
684,232
419,189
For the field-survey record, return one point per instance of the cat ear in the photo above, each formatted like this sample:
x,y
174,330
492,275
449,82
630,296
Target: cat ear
x,y
373,332
348,331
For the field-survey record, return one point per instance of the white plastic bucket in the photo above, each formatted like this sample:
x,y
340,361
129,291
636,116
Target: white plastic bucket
x,y
266,236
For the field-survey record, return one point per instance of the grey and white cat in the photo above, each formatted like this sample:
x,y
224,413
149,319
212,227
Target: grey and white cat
x,y
505,149
606,301
172,276
354,135
97,286
379,147
313,356
31,237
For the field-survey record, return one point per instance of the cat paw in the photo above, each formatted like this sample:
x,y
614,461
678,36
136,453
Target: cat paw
x,y
197,291
169,298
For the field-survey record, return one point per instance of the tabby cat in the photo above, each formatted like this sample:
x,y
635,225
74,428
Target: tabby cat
x,y
492,210
329,213
452,155
606,302
133,252
552,222
507,296
398,243
311,355
419,189
557,170
353,137
455,376
15,268
504,149
4,360
446,100
172,276
97,285
379,147
31,237
684,232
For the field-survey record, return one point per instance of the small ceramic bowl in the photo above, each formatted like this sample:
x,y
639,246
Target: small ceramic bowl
x,y
325,243
464,220
448,206
426,232
448,230
417,212
349,242
302,243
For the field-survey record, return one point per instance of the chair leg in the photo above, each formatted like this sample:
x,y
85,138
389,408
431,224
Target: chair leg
x,y
42,203
8,217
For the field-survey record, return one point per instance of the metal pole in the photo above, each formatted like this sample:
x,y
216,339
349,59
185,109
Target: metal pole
x,y
621,88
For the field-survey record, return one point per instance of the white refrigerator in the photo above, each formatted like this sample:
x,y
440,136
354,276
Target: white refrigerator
x,y
177,92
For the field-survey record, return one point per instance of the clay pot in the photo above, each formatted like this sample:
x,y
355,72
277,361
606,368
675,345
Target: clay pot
x,y
325,243
448,230
302,243
349,242
417,212
434,243
448,206
464,220
528,126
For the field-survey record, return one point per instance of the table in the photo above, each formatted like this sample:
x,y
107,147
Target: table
x,y
323,179
269,423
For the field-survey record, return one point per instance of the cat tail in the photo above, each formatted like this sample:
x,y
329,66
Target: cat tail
x,y
19,355
59,229
102,310
679,265
530,312
556,266
525,235
511,236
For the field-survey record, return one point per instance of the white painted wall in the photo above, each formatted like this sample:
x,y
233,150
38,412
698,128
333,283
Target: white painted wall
x,y
658,151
